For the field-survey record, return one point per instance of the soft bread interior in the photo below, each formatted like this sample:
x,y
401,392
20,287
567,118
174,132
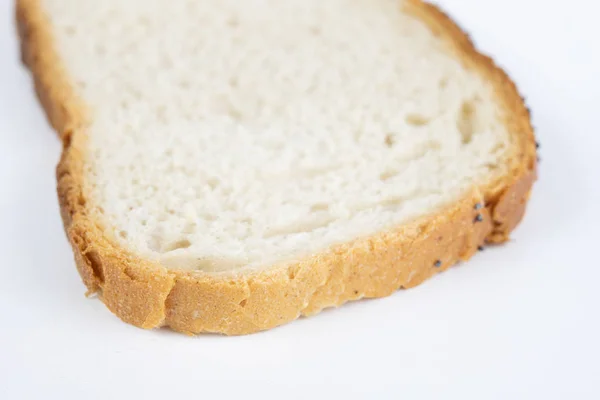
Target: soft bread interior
x,y
231,134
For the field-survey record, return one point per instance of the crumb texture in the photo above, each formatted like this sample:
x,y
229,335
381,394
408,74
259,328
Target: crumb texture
x,y
228,134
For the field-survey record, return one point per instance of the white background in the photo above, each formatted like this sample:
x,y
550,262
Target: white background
x,y
520,321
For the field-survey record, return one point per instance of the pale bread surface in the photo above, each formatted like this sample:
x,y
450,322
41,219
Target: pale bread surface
x,y
236,135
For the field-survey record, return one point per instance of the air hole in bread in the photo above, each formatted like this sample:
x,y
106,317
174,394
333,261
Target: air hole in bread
x,y
180,244
389,140
384,176
208,217
466,122
304,226
417,120
319,207
302,119
213,182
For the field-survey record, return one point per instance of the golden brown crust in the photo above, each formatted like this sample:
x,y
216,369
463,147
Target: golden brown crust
x,y
148,295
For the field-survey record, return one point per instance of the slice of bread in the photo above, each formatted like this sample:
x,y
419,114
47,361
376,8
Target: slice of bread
x,y
230,166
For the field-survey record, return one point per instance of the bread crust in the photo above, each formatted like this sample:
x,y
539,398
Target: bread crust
x,y
148,295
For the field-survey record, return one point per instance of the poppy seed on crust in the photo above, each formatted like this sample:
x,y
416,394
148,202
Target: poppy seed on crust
x,y
438,263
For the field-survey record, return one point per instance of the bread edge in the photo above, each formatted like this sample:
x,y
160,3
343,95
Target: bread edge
x,y
148,295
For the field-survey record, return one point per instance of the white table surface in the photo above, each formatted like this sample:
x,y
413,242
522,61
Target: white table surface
x,y
518,321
